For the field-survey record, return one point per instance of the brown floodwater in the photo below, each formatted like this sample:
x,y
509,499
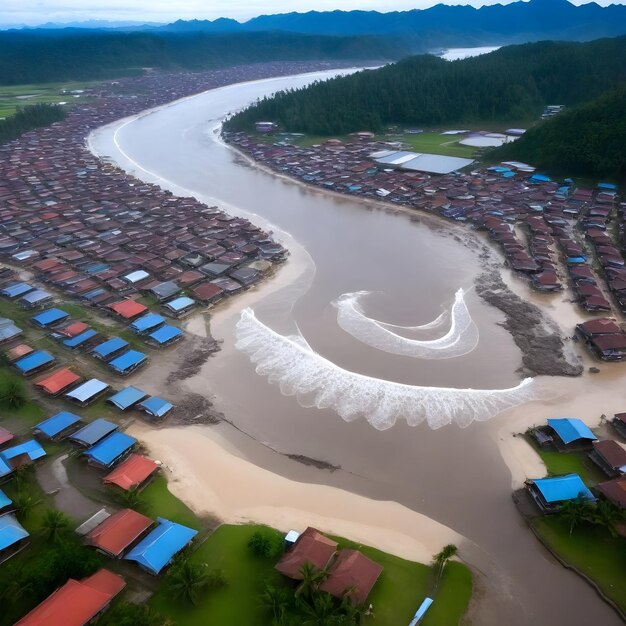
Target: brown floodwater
x,y
455,476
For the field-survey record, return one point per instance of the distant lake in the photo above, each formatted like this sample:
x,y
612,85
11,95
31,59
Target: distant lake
x,y
463,53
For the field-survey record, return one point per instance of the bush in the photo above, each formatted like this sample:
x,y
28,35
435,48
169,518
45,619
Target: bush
x,y
12,393
129,614
264,544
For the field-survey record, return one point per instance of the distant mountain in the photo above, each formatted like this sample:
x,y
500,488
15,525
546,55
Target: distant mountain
x,y
89,25
442,25
587,140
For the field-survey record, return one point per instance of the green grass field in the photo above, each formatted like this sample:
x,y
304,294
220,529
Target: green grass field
x,y
591,550
396,596
13,96
159,501
436,143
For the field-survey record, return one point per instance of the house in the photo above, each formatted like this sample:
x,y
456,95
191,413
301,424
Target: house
x,y
165,290
128,309
92,433
58,381
72,330
35,298
15,290
13,537
155,551
550,493
109,348
34,362
132,472
17,352
109,450
5,436
602,326
8,330
76,603
82,340
610,457
147,323
23,454
310,547
155,407
87,392
6,504
179,307
619,423
136,277
615,491
165,336
128,362
116,533
48,318
58,426
127,397
609,347
571,433
208,292
352,575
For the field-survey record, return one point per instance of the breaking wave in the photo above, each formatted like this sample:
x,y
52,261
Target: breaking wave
x,y
291,363
461,338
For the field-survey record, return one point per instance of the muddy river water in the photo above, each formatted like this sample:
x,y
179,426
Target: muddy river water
x,y
411,270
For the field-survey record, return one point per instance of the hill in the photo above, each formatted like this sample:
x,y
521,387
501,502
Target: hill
x,y
513,83
57,55
588,140
442,25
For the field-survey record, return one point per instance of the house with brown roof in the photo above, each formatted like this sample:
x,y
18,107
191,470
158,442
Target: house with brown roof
x,y
615,491
310,547
610,457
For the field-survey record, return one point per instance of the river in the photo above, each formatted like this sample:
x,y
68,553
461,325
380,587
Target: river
x,y
454,475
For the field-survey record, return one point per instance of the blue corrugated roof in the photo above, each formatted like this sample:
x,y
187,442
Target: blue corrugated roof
x,y
109,347
4,500
156,406
45,318
562,488
106,451
5,468
79,339
165,334
156,550
151,320
16,289
570,429
88,390
92,433
178,304
33,361
126,361
11,531
127,397
57,423
30,447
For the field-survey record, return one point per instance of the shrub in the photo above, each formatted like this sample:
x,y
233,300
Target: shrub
x,y
263,544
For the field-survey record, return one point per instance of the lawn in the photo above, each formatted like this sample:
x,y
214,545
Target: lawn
x,y
436,143
591,550
397,595
159,501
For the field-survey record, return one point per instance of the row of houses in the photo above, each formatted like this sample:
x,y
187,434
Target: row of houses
x,y
604,337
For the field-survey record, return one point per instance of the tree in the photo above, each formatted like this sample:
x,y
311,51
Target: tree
x,y
54,525
606,514
263,544
575,512
23,503
129,614
311,580
12,393
186,580
441,559
131,498
275,600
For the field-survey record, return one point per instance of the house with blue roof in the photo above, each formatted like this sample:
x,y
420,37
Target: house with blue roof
x,y
570,433
92,433
15,290
34,362
8,329
49,317
110,450
22,454
6,504
110,348
147,323
155,552
156,408
179,307
551,493
58,426
80,340
165,336
128,362
127,398
13,537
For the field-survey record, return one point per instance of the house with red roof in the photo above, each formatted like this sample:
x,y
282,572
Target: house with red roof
x,y
116,533
132,472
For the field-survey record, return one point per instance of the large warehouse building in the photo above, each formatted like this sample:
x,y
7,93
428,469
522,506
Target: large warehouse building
x,y
418,162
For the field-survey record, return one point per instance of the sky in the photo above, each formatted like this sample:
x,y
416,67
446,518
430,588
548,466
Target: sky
x,y
33,12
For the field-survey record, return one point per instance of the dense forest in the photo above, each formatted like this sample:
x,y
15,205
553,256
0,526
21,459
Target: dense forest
x,y
513,83
59,55
588,140
29,118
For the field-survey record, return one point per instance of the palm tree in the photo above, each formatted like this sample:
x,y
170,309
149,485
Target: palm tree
x,y
606,514
54,524
12,393
186,580
23,504
311,580
575,512
441,559
276,601
321,612
132,498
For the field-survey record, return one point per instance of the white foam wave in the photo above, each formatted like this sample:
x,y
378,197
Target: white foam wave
x,y
461,338
291,363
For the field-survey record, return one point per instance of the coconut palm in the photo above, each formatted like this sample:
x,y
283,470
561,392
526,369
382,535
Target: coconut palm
x,y
23,503
311,580
186,580
575,512
276,601
606,514
441,559
54,525
132,498
321,611
12,393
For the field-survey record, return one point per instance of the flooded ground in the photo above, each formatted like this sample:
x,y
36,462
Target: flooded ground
x,y
458,477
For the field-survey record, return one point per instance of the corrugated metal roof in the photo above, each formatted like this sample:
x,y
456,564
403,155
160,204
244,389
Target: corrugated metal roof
x,y
128,360
11,531
109,347
159,547
156,406
30,447
147,322
80,339
33,361
8,329
57,423
570,429
561,488
37,295
127,397
92,433
178,304
165,334
107,450
4,500
87,390
135,277
45,318
16,289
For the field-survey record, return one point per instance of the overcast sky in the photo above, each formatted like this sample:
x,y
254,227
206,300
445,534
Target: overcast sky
x,y
40,11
